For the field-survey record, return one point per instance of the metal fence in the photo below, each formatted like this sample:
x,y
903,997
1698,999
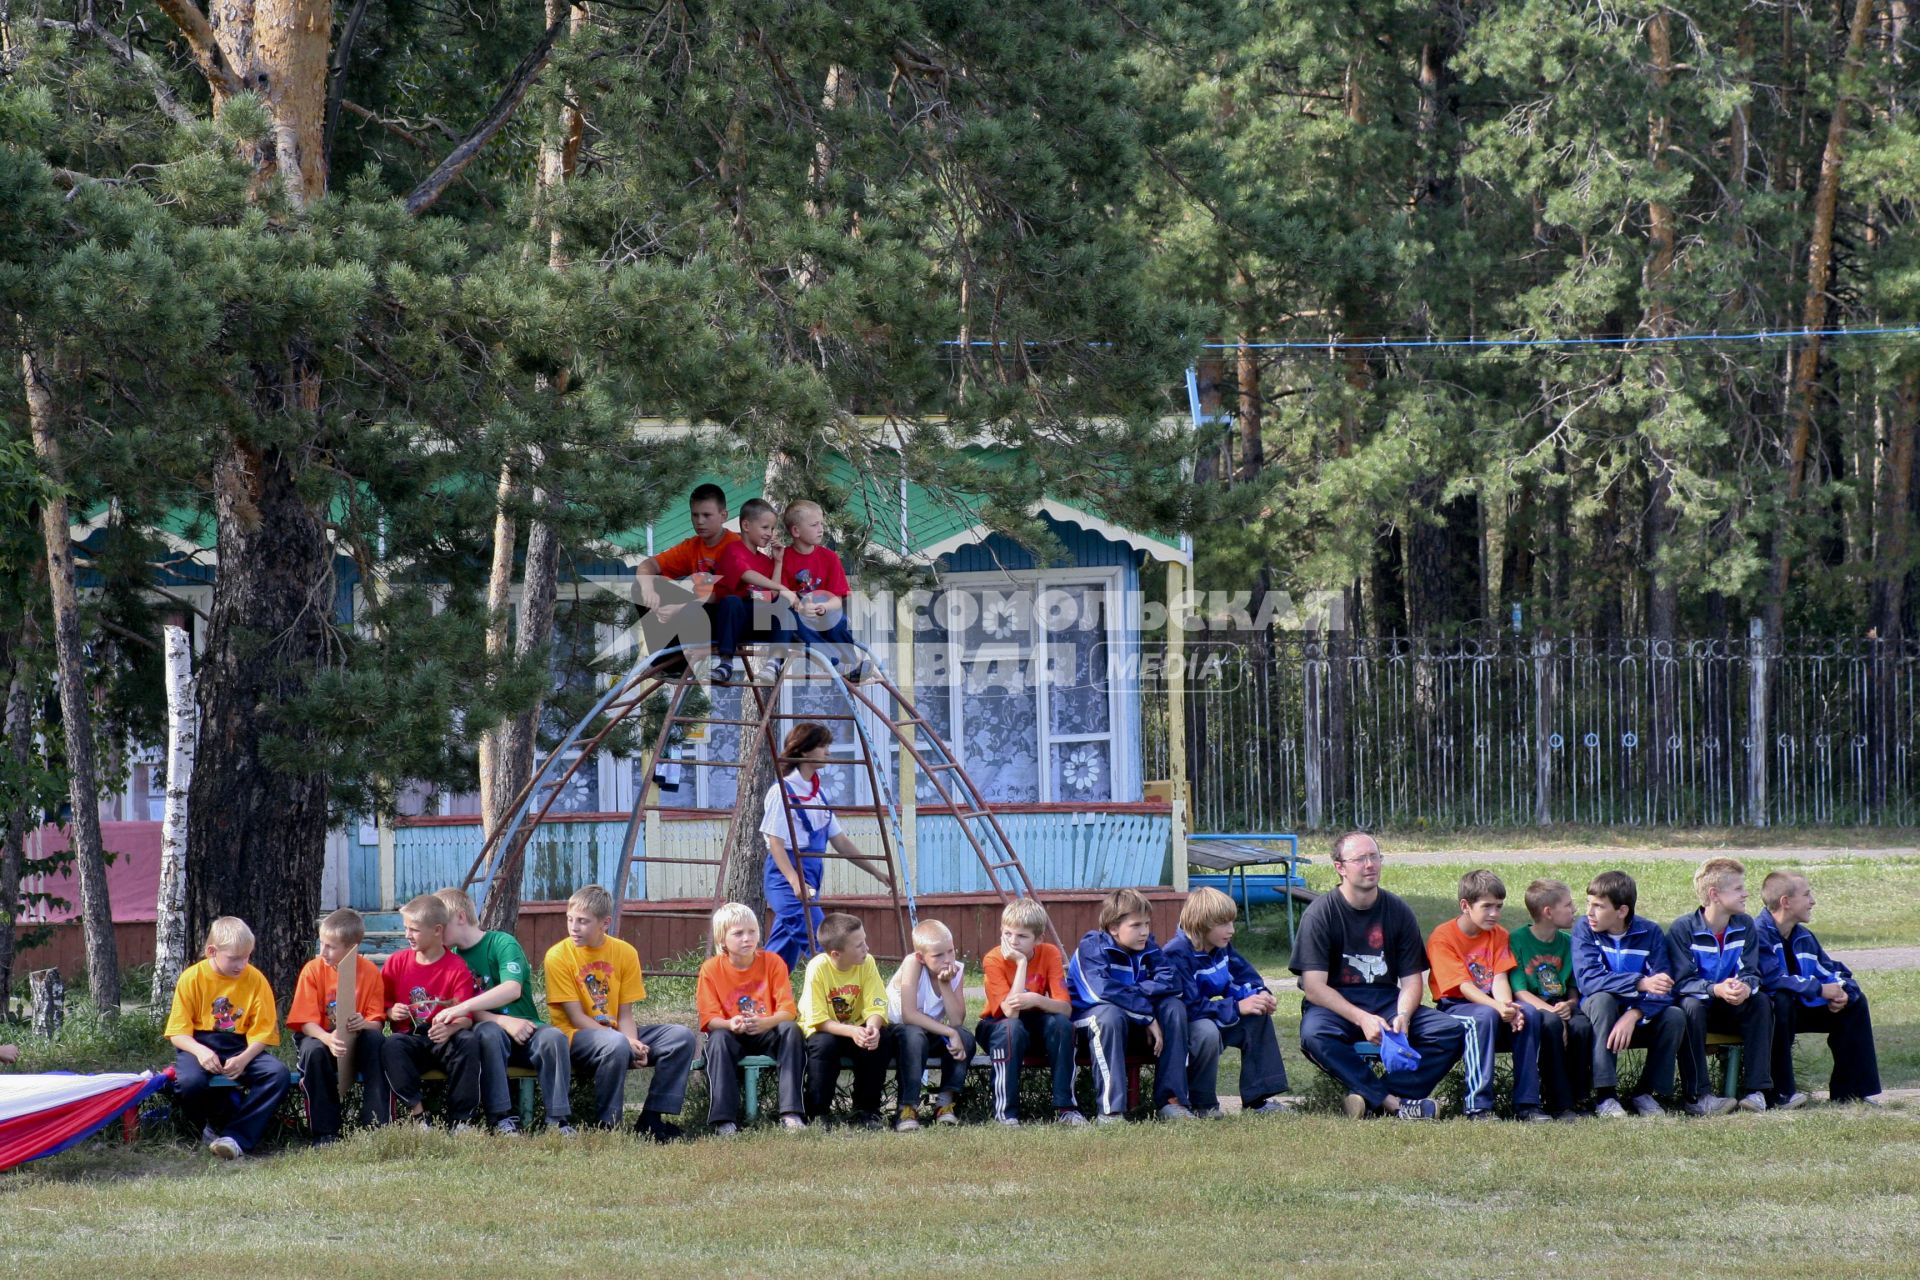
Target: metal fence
x,y
1312,732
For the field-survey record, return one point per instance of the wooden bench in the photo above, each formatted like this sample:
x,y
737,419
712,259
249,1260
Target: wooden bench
x,y
1717,1042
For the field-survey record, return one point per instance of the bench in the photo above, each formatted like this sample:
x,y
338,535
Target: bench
x,y
523,1078
1717,1042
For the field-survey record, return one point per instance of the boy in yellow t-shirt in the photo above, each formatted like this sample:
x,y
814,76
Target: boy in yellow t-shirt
x,y
222,1023
593,982
843,1010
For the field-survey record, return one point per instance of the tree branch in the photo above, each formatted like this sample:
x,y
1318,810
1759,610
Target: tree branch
x,y
163,96
435,184
207,53
337,81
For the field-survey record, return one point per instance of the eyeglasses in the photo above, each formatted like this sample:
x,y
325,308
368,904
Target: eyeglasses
x,y
1366,859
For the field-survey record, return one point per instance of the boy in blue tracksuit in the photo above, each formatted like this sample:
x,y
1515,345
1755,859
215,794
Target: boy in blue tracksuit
x,y
1624,975
1716,974
1811,991
1125,992
1227,1004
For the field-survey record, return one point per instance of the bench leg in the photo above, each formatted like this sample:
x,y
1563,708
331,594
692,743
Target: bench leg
x,y
750,1094
1731,1083
1133,1086
129,1125
526,1103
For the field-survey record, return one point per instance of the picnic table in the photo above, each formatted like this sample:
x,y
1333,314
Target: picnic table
x,y
1229,854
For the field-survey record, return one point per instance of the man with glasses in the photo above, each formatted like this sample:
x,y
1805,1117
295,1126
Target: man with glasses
x,y
1362,964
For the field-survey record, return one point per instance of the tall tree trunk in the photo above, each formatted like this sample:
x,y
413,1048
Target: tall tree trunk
x,y
520,735
256,831
509,751
76,699
1892,563
170,947
746,855
18,744
1247,368
1813,316
1663,598
506,531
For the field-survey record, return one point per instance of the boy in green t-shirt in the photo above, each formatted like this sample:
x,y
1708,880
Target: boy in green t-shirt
x,y
506,1020
1543,980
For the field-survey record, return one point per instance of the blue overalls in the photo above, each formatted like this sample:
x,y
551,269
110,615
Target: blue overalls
x,y
788,939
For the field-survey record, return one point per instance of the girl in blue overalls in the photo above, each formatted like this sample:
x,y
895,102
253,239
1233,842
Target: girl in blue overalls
x,y
801,826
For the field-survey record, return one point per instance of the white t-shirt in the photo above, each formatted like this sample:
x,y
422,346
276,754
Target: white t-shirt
x,y
773,815
928,999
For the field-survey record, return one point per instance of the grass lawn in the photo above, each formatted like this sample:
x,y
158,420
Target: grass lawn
x,y
1828,1193
1464,840
1861,903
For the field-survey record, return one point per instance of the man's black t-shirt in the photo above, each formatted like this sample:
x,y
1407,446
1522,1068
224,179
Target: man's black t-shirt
x,y
1372,948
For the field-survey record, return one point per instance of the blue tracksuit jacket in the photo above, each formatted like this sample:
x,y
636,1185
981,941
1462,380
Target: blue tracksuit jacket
x,y
1213,983
1604,963
1101,971
1813,968
1700,959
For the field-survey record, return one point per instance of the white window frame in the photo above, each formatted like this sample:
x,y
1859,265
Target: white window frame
x,y
1112,580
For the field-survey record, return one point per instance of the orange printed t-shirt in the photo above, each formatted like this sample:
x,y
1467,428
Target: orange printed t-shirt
x,y
764,987
692,558
1454,960
1046,975
319,981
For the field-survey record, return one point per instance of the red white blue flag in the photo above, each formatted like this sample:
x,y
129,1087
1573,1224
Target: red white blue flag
x,y
42,1115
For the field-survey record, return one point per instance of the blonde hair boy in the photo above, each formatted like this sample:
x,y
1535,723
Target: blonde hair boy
x,y
222,1022
1028,1005
1205,910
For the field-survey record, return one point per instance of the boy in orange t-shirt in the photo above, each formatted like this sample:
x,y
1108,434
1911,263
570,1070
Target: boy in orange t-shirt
x,y
1027,1000
746,1007
1468,960
685,617
323,1035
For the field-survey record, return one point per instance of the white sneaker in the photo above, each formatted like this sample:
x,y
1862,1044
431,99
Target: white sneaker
x,y
1710,1104
1755,1101
225,1148
1272,1107
793,1123
1645,1104
1010,1122
1793,1101
1174,1111
725,1130
1610,1109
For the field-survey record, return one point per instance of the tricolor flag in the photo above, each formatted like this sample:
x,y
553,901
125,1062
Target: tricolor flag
x,y
42,1115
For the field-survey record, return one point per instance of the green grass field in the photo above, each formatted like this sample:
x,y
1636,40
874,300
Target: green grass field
x,y
1464,840
1829,1194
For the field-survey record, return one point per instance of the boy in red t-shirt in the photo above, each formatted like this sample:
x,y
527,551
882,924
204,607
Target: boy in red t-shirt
x,y
745,1000
667,615
325,1033
419,983
1027,1000
748,581
815,575
1468,960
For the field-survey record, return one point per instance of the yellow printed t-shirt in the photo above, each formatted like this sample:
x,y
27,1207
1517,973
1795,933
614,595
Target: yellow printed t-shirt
x,y
205,1001
840,995
604,979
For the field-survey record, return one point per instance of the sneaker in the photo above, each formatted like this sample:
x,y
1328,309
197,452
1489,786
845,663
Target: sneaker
x,y
1174,1111
654,1129
722,673
1532,1115
1478,1115
946,1113
1609,1109
1105,1118
1273,1107
1793,1101
225,1148
1710,1104
1069,1117
768,673
1209,1113
1755,1102
726,1130
859,674
1355,1106
1011,1122
466,1126
1418,1109
907,1121
792,1122
870,1120
1645,1104
563,1129
207,1134
507,1127
423,1124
